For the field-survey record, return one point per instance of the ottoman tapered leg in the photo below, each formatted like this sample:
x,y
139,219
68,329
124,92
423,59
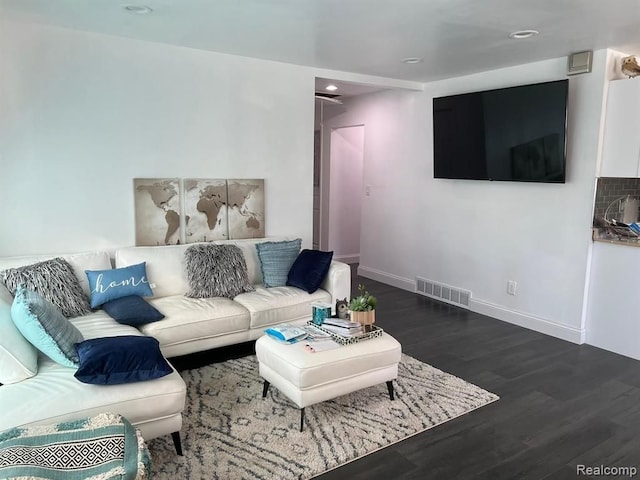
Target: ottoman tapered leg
x,y
390,388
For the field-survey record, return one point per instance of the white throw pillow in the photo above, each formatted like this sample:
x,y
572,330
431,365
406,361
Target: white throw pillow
x,y
18,358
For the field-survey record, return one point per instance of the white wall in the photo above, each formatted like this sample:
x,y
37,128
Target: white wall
x,y
476,235
82,114
345,192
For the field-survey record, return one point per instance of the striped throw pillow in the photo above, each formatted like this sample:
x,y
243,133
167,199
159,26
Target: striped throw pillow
x,y
276,259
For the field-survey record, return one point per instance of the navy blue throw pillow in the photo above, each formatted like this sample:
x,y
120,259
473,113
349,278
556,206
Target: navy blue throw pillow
x,y
123,359
309,270
132,310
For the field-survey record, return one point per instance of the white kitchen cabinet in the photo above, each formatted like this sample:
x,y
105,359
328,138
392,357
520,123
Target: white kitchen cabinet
x,y
612,319
621,146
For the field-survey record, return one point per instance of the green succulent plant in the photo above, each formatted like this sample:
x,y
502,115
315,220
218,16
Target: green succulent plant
x,y
364,302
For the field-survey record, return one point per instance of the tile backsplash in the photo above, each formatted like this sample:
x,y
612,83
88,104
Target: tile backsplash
x,y
608,190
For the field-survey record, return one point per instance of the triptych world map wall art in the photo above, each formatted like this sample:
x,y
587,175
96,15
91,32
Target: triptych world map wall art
x,y
171,211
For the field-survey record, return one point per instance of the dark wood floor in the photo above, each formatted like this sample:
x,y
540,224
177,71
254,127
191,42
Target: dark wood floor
x,y
561,404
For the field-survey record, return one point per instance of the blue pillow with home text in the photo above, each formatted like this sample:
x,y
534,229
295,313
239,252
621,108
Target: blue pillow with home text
x,y
106,285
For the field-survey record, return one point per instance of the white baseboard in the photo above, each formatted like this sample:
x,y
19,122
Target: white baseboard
x,y
354,258
383,277
537,324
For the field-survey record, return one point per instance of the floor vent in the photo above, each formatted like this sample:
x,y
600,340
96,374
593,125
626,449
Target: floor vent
x,y
443,292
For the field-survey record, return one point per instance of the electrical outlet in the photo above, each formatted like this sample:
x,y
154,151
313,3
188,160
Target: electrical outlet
x,y
367,190
512,287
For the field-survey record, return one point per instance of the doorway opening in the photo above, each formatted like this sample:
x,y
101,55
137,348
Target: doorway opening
x,y
346,159
337,188
338,178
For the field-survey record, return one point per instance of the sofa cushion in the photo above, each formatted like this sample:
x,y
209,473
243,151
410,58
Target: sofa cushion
x,y
45,327
195,318
54,280
276,259
309,270
18,357
132,310
118,282
99,324
216,271
269,306
142,403
121,359
165,267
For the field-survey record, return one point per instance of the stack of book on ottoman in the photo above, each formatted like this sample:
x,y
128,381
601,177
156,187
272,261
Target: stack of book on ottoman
x,y
342,327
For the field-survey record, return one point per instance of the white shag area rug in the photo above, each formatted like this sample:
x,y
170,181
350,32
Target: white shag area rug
x,y
231,433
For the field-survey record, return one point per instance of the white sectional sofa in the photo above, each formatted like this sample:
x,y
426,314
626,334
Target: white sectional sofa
x,y
190,325
197,324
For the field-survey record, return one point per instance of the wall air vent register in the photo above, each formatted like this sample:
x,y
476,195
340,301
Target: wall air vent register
x,y
440,291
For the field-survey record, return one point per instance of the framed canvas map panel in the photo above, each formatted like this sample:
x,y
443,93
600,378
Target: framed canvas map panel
x,y
246,208
205,209
157,211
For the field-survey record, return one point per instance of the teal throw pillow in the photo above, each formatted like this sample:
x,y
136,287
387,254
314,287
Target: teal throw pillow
x,y
45,327
115,283
276,259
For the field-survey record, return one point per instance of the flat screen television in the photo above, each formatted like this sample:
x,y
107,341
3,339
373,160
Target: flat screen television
x,y
512,134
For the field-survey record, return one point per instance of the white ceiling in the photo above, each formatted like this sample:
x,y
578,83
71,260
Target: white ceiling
x,y
454,37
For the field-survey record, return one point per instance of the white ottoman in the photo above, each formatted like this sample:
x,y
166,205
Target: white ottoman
x,y
307,378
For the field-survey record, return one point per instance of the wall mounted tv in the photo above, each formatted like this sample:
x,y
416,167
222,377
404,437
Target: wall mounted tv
x,y
514,134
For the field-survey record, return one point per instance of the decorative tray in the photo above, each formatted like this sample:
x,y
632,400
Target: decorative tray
x,y
348,340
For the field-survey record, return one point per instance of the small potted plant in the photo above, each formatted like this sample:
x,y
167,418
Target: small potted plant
x,y
363,308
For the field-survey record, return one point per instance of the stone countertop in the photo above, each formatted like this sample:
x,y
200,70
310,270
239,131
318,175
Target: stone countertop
x,y
605,236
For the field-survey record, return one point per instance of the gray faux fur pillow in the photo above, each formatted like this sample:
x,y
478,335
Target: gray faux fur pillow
x,y
216,271
52,279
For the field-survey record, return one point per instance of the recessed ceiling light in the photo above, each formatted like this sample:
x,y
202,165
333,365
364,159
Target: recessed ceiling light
x,y
138,9
411,60
331,88
520,34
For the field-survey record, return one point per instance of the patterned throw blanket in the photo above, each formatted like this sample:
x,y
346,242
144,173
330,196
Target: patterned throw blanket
x,y
96,448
